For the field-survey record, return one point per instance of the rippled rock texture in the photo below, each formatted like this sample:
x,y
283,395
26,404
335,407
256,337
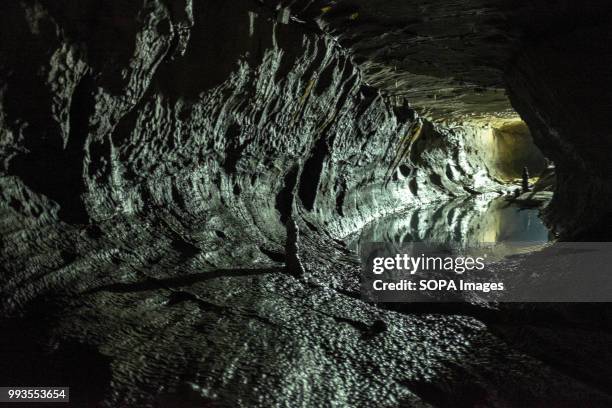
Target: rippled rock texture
x,y
464,61
137,117
149,169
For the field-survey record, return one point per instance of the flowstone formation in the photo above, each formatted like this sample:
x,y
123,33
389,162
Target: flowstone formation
x,y
153,153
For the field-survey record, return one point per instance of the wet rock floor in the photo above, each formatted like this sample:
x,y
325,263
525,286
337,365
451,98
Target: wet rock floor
x,y
190,337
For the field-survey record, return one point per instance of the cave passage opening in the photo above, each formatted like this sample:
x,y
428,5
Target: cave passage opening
x,y
489,161
513,150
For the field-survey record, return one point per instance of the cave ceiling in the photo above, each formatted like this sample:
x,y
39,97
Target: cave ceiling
x,y
445,58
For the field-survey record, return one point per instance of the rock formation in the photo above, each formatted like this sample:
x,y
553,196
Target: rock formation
x,y
153,153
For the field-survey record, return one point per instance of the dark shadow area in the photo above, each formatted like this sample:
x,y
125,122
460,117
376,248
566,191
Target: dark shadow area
x,y
29,356
226,33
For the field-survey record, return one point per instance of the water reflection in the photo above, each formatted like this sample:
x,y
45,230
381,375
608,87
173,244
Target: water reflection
x,y
465,221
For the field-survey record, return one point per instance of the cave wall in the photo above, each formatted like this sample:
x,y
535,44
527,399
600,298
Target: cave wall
x,y
560,84
151,154
139,122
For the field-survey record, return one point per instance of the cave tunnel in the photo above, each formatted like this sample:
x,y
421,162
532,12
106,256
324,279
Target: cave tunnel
x,y
188,189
